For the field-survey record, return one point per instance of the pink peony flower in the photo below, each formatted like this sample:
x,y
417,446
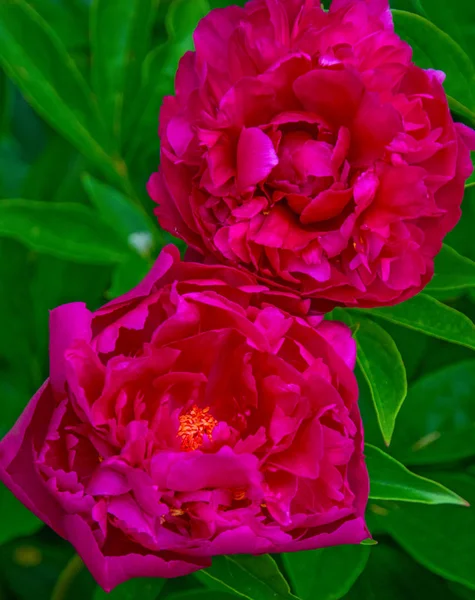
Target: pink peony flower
x,y
306,146
191,418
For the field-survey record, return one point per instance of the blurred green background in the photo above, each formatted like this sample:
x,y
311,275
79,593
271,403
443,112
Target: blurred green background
x,y
81,84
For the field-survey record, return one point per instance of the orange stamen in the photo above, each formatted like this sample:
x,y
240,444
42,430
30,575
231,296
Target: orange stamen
x,y
194,424
239,495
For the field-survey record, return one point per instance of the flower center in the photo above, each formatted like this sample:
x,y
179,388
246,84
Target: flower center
x,y
193,425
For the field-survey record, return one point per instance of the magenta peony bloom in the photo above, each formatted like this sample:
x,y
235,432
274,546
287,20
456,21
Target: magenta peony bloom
x,y
191,418
306,146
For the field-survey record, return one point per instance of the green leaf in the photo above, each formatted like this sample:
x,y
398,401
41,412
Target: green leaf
x,y
42,180
439,537
71,188
37,61
202,595
158,74
392,575
461,237
141,123
129,220
135,589
437,421
56,282
325,574
5,103
431,317
223,3
391,480
434,49
372,429
381,364
17,376
461,591
68,231
456,18
412,345
15,393
18,520
462,113
27,127
452,271
251,577
120,34
127,275
13,168
182,18
66,22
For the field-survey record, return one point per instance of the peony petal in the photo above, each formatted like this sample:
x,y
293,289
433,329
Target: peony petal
x,y
108,482
110,571
333,94
256,157
68,323
340,338
330,203
314,159
179,134
377,8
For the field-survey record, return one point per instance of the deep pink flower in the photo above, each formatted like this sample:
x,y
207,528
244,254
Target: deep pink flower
x,y
306,146
191,418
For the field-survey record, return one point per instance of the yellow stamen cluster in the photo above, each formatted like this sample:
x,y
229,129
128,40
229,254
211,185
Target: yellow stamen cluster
x,y
194,424
176,512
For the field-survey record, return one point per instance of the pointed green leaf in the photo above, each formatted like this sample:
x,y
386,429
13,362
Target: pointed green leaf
x,y
120,35
69,231
432,535
251,577
431,317
381,364
435,49
391,480
325,574
392,575
437,421
452,271
128,219
37,61
412,345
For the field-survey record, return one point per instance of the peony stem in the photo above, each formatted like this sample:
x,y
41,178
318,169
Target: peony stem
x,y
67,577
